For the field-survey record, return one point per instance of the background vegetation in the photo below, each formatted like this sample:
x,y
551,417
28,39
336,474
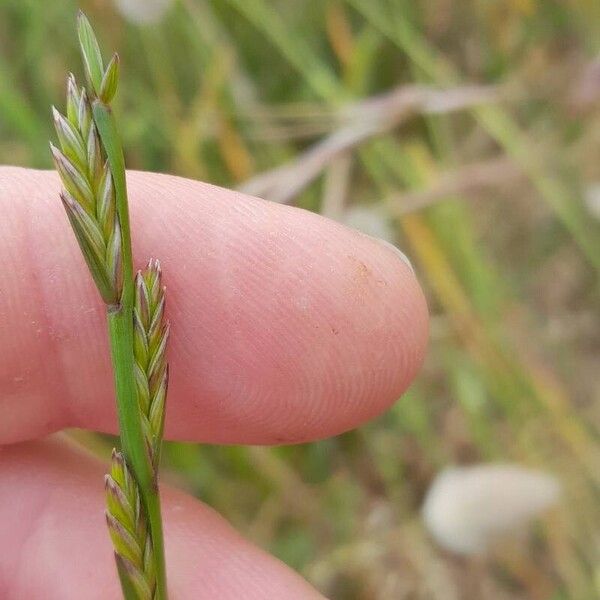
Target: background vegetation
x,y
492,197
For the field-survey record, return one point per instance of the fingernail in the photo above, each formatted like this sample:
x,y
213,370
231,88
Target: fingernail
x,y
397,251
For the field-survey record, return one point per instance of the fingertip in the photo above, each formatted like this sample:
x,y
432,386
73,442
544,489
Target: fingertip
x,y
305,329
286,326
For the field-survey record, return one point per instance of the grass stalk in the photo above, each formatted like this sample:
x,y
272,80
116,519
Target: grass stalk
x,y
120,327
92,169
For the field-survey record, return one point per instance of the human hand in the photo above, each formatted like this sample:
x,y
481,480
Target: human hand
x,y
286,327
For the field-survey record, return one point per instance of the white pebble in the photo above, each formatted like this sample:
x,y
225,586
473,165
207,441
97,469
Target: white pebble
x,y
468,508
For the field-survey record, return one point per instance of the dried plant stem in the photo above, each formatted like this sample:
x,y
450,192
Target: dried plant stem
x,y
92,169
362,122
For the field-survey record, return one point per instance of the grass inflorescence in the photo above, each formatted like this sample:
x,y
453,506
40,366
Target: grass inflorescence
x,y
91,167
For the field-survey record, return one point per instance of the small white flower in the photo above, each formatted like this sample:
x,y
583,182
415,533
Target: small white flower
x,y
143,12
468,508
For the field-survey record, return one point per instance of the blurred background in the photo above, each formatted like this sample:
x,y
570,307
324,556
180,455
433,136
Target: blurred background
x,y
467,133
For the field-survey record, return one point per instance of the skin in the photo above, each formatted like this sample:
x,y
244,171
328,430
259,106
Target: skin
x,y
286,327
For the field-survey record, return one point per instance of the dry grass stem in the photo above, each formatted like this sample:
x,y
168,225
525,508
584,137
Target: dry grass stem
x,y
469,179
364,120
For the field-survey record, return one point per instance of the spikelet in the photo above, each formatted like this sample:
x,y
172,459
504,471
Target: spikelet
x,y
150,336
88,195
128,528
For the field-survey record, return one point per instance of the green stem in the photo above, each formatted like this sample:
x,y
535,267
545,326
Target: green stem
x,y
120,327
